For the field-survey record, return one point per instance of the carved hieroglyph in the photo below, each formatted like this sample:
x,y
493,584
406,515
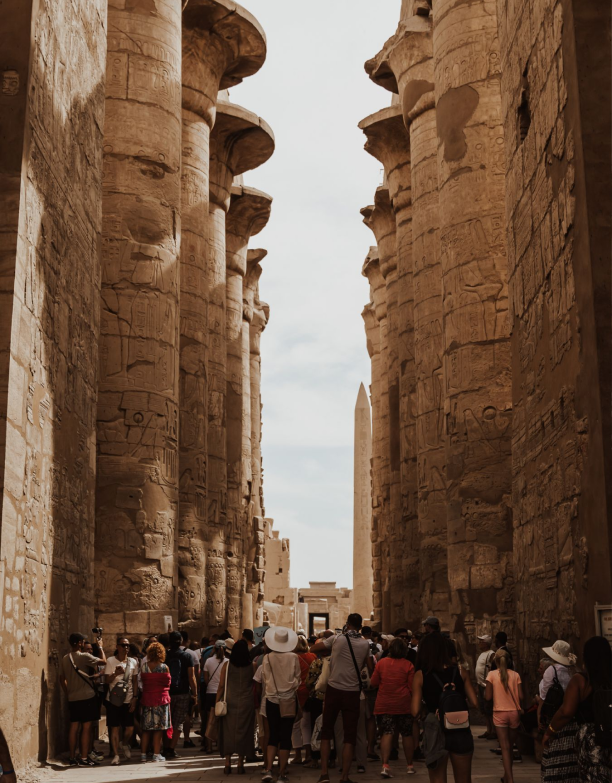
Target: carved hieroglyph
x,y
361,600
222,44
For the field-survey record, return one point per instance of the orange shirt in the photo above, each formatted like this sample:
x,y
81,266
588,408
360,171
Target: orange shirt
x,y
504,700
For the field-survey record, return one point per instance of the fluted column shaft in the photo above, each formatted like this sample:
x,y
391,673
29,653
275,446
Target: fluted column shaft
x,y
137,492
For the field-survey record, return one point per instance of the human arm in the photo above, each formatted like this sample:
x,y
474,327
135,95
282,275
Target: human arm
x,y
417,694
192,681
375,679
6,763
206,673
134,690
571,700
410,676
469,688
221,688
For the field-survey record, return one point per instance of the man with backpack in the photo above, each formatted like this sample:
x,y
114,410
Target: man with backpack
x,y
183,688
483,667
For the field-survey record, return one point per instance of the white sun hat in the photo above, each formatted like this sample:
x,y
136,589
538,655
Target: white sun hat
x,y
561,653
281,639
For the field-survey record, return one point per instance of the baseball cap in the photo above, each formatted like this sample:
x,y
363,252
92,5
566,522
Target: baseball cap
x,y
433,621
486,638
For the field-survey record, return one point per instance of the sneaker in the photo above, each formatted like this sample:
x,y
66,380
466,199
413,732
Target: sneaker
x,y
171,754
189,744
158,757
283,779
516,756
410,770
143,758
385,771
266,776
95,757
128,751
115,761
73,763
87,763
360,769
373,757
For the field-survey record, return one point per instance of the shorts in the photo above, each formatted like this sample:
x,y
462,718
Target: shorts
x,y
84,711
119,716
389,724
345,702
485,707
179,708
508,718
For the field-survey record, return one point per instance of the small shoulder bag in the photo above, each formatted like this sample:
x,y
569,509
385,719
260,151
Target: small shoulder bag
x,y
221,705
118,692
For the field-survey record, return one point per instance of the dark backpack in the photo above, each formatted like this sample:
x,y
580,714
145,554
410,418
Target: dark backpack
x,y
174,661
453,710
602,711
552,701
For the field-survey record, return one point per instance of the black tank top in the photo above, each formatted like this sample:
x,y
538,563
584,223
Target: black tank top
x,y
432,688
585,713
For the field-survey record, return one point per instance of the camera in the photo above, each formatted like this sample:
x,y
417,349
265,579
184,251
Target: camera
x,y
97,631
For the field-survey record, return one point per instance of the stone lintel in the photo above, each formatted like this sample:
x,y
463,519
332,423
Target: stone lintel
x,y
222,44
248,214
380,219
240,141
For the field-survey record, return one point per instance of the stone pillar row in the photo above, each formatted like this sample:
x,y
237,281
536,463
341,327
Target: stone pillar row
x,y
439,143
177,535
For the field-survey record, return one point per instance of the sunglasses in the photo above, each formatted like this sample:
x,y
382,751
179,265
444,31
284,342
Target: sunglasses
x,y
123,645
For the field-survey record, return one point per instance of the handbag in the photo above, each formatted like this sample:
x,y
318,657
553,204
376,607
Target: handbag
x,y
315,741
118,692
321,683
221,705
453,709
287,707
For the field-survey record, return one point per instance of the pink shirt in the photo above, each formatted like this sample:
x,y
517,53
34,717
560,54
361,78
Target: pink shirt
x,y
393,678
505,700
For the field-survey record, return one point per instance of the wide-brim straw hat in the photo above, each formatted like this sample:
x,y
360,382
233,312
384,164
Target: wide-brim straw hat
x,y
281,639
229,643
561,652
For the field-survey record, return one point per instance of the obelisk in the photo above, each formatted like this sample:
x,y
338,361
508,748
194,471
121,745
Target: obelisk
x,y
362,510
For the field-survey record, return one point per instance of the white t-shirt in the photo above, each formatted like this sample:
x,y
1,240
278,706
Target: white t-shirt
x,y
563,675
281,674
259,678
214,667
342,673
111,665
483,666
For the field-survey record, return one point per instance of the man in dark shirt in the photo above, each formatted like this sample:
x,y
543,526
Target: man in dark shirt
x,y
501,643
182,689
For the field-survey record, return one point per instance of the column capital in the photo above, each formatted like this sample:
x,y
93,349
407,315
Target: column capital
x,y
371,329
380,219
248,214
240,141
222,44
389,142
404,66
371,270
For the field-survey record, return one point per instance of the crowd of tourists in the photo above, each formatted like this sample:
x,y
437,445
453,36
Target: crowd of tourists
x,y
339,697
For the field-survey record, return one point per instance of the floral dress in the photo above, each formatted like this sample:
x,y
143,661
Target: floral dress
x,y
156,717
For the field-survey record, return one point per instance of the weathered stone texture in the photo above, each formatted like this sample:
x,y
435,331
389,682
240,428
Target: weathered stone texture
x,y
51,119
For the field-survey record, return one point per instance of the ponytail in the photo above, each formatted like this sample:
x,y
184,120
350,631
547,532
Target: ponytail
x,y
501,659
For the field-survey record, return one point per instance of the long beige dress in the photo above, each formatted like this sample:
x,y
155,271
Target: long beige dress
x,y
237,728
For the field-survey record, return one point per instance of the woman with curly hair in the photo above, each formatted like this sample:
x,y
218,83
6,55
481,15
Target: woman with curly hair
x,y
155,701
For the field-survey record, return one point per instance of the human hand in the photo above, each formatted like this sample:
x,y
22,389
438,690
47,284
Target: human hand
x,y
118,670
546,739
133,704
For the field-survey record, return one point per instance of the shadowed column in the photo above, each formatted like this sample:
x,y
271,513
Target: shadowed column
x,y
222,44
240,141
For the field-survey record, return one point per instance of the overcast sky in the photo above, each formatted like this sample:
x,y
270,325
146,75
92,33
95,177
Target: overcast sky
x,y
313,91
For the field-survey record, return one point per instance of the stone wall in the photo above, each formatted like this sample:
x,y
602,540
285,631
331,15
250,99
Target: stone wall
x,y
504,307
51,116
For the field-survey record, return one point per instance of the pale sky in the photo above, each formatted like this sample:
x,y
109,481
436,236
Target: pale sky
x,y
313,91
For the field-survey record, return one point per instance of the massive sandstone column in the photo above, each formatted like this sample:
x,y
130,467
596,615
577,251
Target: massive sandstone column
x,y
137,488
375,317
388,142
222,44
248,214
381,220
362,508
405,66
240,141
477,359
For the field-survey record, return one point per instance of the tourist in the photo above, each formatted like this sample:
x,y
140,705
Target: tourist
x,y
121,675
314,703
260,701
301,735
183,689
431,625
249,638
83,702
237,726
385,641
96,674
155,700
559,759
587,700
212,677
504,689
483,667
414,641
434,672
195,659
349,655
7,771
281,679
501,643
393,677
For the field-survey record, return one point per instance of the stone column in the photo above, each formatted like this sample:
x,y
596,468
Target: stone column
x,y
388,142
259,313
477,359
381,220
137,481
375,317
248,214
362,509
240,141
405,66
219,50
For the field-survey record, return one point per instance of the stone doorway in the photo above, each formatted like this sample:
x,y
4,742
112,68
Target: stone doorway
x,y
317,622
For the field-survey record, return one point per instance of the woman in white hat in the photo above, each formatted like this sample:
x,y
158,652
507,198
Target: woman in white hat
x,y
559,759
281,675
